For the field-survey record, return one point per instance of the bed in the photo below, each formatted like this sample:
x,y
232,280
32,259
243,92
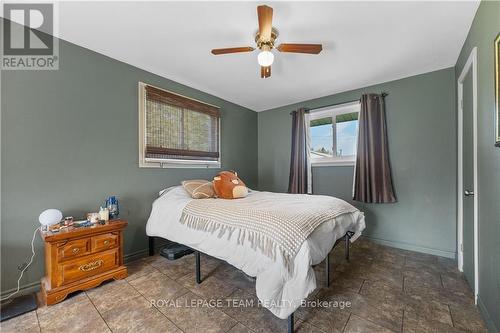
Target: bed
x,y
280,288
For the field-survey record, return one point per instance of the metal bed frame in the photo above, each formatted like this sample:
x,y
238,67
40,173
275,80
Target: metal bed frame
x,y
290,319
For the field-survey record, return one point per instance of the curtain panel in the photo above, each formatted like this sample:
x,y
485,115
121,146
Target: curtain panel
x,y
300,180
372,174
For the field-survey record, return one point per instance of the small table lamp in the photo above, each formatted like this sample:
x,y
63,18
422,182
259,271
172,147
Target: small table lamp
x,y
50,217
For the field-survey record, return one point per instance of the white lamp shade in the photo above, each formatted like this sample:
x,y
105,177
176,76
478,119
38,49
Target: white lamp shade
x,y
50,216
265,58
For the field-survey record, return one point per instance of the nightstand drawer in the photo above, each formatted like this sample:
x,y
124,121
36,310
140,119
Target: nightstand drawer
x,y
74,248
104,242
77,269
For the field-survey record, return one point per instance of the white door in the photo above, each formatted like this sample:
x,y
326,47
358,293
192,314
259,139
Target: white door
x,y
467,222
468,180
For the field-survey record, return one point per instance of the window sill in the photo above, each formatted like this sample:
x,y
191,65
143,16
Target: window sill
x,y
333,163
179,164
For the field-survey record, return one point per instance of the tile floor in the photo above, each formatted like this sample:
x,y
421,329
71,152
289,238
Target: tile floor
x,y
390,290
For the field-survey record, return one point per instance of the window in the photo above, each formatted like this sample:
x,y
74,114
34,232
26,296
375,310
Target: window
x,y
176,131
334,134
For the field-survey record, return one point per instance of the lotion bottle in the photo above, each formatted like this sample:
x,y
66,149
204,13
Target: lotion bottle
x,y
104,214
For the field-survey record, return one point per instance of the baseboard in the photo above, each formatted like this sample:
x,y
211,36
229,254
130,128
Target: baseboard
x,y
29,288
413,247
486,316
34,287
135,255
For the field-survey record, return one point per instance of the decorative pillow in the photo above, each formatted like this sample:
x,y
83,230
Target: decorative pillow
x,y
227,185
199,188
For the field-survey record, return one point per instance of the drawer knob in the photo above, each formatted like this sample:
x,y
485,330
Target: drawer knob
x,y
106,242
91,266
76,250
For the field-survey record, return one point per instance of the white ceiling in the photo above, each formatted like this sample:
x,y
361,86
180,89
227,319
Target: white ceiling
x,y
364,43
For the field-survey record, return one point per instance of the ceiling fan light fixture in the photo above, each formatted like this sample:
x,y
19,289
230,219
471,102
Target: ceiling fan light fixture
x,y
265,39
265,58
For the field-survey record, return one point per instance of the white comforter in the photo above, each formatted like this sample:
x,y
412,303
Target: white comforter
x,y
276,289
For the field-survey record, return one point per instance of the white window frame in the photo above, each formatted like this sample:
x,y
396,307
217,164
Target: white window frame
x,y
145,162
333,111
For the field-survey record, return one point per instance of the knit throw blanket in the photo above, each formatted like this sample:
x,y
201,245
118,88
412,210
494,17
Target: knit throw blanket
x,y
273,223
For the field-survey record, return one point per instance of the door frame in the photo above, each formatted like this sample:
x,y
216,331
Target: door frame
x,y
470,64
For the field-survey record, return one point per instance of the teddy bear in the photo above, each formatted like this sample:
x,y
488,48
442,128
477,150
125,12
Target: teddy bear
x,y
227,185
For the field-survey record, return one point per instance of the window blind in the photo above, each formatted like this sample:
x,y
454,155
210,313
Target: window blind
x,y
180,128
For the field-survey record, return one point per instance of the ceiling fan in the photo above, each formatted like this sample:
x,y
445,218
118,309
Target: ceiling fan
x,y
265,39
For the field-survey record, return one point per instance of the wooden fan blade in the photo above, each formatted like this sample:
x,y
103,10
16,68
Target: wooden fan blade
x,y
300,48
265,14
265,72
232,50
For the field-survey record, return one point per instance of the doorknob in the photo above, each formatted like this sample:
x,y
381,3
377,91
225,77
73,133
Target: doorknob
x,y
468,193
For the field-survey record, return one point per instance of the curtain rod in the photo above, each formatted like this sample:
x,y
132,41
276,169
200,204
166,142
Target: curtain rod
x,y
337,104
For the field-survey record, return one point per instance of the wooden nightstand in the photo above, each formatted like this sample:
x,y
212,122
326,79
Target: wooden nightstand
x,y
82,258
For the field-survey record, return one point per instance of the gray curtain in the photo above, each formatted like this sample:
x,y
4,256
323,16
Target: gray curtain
x,y
300,164
372,175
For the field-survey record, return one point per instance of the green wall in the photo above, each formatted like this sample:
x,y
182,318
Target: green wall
x,y
70,138
421,122
484,29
